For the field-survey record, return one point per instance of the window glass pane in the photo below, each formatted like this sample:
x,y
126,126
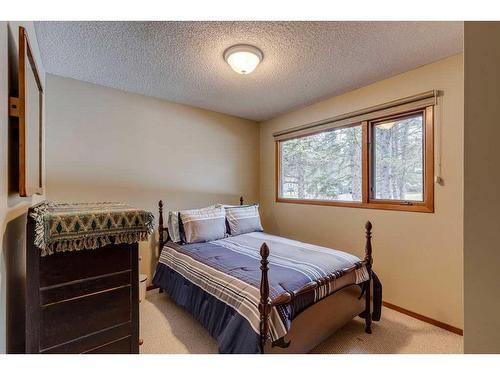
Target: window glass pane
x,y
324,166
398,168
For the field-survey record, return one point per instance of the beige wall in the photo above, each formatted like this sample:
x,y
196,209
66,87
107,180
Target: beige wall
x,y
12,208
418,256
105,144
481,187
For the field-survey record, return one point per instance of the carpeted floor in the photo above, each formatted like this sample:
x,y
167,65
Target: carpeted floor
x,y
167,328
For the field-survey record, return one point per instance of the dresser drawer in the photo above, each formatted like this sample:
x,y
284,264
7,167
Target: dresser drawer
x,y
121,346
66,267
71,290
94,341
68,320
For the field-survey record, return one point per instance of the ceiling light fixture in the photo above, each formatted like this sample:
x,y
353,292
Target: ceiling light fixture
x,y
243,58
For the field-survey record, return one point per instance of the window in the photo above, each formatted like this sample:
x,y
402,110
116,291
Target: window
x,y
323,166
384,163
398,146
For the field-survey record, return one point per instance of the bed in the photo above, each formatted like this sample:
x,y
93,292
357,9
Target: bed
x,y
260,293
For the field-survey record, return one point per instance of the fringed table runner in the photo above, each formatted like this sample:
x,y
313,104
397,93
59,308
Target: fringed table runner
x,y
63,227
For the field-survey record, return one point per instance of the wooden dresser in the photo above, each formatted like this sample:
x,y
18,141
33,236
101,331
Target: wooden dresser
x,y
84,301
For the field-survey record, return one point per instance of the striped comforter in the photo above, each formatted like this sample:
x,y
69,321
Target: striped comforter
x,y
227,271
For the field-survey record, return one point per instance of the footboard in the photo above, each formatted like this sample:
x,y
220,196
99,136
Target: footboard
x,y
266,303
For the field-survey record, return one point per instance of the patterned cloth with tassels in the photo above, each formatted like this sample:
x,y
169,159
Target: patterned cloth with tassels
x,y
63,227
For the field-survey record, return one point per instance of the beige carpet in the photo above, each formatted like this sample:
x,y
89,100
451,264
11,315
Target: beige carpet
x,y
167,328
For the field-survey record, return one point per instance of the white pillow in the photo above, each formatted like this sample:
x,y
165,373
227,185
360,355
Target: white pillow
x,y
173,223
243,219
203,225
173,226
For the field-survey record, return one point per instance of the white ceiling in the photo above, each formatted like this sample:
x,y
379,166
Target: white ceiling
x,y
182,61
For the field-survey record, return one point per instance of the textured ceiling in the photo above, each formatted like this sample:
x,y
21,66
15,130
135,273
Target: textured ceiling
x,y
182,61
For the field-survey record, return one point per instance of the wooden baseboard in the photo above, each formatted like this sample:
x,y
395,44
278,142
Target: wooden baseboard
x,y
423,318
151,287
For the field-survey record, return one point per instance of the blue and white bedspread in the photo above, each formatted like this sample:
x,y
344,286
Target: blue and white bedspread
x,y
218,282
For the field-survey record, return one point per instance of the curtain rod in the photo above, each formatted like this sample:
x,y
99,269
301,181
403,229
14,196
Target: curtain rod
x,y
393,103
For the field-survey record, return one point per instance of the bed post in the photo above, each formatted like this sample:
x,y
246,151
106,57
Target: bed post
x,y
160,231
241,201
368,264
265,301
160,224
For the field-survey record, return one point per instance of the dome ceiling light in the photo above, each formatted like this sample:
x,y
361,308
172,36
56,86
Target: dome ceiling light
x,y
243,58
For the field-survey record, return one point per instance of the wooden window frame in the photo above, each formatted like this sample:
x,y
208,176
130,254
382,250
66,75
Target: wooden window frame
x,y
367,201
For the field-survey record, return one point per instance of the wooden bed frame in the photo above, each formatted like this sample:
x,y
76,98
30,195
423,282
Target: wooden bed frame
x,y
266,303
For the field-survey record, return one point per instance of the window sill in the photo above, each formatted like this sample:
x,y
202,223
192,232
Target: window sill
x,y
420,207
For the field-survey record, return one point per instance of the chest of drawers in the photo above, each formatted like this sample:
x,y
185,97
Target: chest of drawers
x,y
84,301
